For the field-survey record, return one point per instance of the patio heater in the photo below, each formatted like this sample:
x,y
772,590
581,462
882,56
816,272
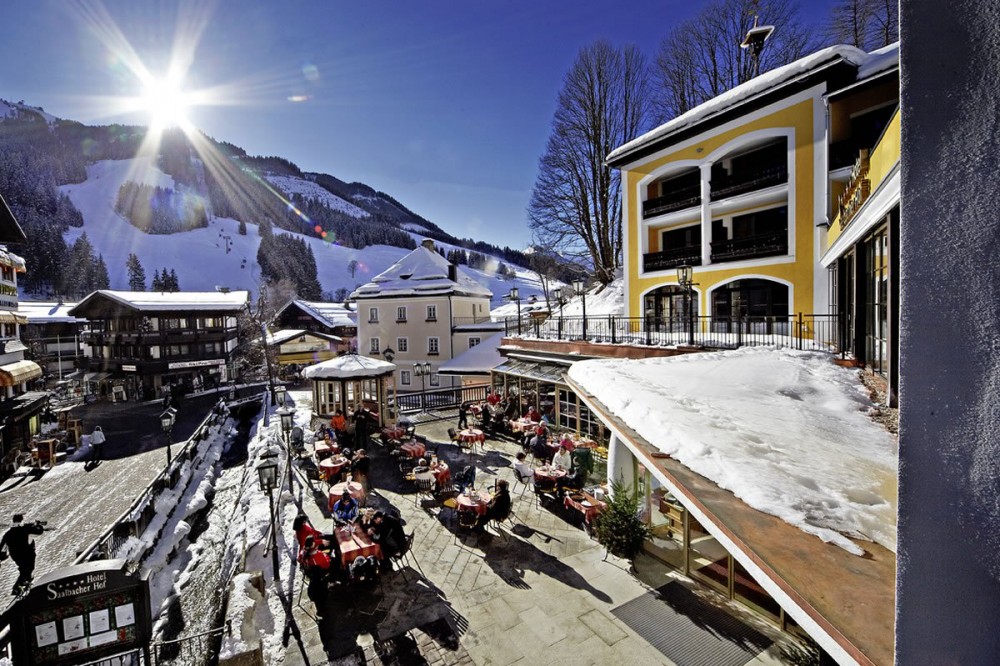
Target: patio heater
x,y
167,419
580,289
267,477
514,295
684,274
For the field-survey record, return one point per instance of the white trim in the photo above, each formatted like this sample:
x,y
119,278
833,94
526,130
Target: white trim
x,y
821,203
758,199
728,265
800,616
871,213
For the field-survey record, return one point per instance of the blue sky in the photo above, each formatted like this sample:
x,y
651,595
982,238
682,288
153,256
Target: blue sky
x,y
444,104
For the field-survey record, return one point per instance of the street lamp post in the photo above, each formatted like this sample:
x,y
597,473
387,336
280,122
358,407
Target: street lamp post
x,y
580,289
684,274
514,295
167,419
422,370
279,394
389,354
267,476
287,417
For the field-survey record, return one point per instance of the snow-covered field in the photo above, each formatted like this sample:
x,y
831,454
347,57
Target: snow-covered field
x,y
785,431
291,185
218,255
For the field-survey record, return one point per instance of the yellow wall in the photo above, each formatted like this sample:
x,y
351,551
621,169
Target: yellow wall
x,y
841,109
800,273
884,157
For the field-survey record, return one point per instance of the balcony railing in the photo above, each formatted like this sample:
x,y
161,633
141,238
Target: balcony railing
x,y
816,332
752,247
679,199
682,256
748,181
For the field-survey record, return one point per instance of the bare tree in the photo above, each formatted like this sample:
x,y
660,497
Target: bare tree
x,y
885,23
575,208
701,58
850,22
352,266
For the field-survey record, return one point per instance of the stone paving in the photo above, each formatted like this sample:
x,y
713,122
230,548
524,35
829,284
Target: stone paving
x,y
540,592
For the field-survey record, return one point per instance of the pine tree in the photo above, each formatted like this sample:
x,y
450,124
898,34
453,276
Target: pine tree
x,y
173,284
99,276
242,228
157,281
136,273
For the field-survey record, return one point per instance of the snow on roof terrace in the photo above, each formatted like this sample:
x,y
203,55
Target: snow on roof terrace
x,y
785,431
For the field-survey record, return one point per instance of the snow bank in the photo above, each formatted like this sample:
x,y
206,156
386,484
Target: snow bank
x,y
785,431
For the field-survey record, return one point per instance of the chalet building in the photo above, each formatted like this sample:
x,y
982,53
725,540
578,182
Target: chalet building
x,y
142,341
53,337
20,406
782,199
422,311
330,318
297,348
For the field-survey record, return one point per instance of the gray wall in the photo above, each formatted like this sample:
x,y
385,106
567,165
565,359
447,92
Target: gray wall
x,y
948,579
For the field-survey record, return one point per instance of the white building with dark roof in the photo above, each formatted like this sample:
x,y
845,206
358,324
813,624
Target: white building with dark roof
x,y
330,318
53,336
422,311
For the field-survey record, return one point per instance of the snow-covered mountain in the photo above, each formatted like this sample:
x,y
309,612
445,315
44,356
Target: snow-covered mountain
x,y
218,255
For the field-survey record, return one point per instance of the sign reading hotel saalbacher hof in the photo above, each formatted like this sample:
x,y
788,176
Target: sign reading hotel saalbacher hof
x,y
80,614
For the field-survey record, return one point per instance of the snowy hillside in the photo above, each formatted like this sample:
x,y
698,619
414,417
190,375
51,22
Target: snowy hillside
x,y
218,255
8,109
292,185
607,301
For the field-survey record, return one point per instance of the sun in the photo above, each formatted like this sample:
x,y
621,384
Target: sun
x,y
166,102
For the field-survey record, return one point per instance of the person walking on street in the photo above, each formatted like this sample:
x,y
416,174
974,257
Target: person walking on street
x,y
463,415
97,440
17,543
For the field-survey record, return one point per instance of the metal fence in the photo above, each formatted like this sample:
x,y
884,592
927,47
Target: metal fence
x,y
440,399
818,332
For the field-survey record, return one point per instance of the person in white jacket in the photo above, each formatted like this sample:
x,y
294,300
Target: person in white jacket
x,y
97,440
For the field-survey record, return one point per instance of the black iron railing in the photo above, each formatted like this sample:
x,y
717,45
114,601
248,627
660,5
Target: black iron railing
x,y
752,247
441,399
817,332
679,199
748,181
682,256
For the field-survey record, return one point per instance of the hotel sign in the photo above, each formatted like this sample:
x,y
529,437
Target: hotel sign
x,y
129,368
195,364
82,614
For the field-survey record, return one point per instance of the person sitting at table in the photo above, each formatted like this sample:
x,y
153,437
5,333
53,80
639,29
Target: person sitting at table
x,y
533,414
339,423
510,408
487,418
346,509
562,459
523,469
498,507
387,532
492,397
421,466
567,441
467,479
576,480
360,468
317,567
539,444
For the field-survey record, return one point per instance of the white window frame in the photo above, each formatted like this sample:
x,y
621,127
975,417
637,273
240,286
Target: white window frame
x,y
402,344
372,315
432,312
435,380
404,377
433,346
400,313
374,345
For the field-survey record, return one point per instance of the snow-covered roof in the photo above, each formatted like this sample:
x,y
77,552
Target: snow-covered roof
x,y
422,272
478,360
160,301
785,431
760,84
283,336
328,314
348,366
880,60
38,312
8,258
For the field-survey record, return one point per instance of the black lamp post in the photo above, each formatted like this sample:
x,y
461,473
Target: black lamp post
x,y
279,394
580,289
422,370
167,419
267,476
388,354
684,274
514,295
287,416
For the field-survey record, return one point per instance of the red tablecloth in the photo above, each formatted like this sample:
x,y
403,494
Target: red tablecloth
x,y
523,425
441,474
331,467
393,433
337,491
413,449
476,502
588,506
323,449
355,542
472,435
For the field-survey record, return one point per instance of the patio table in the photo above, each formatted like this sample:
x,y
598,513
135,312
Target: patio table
x,y
331,467
476,502
472,435
549,474
586,504
337,490
523,425
440,475
396,432
414,449
354,543
323,450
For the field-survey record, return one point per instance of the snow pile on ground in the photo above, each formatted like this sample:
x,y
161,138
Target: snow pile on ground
x,y
292,185
249,616
607,301
785,431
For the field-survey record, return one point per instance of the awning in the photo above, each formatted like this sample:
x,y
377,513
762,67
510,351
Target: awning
x,y
13,374
96,376
7,317
542,372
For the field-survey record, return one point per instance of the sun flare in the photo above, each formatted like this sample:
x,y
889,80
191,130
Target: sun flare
x,y
166,103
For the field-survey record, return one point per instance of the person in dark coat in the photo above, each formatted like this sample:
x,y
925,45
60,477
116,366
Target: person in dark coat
x,y
387,531
17,543
463,415
499,506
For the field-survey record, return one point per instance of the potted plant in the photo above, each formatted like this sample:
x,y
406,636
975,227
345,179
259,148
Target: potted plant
x,y
618,527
